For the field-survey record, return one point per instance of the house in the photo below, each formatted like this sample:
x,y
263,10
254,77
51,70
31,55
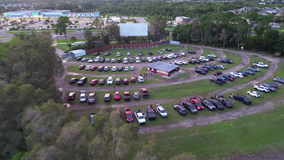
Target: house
x,y
162,68
182,20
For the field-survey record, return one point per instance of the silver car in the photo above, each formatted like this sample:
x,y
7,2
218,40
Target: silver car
x,y
136,96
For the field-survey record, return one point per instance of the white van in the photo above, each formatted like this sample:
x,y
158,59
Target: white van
x,y
140,79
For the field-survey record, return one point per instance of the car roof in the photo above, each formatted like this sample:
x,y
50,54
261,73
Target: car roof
x,y
71,93
107,95
92,93
143,89
126,92
117,92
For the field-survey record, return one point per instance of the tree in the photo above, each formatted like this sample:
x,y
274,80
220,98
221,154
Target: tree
x,y
89,37
280,43
224,37
157,28
73,39
113,32
61,26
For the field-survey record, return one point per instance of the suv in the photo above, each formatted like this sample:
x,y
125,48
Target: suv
x,y
118,54
144,92
71,96
126,96
109,81
222,79
92,98
82,81
163,113
190,106
181,110
140,79
151,113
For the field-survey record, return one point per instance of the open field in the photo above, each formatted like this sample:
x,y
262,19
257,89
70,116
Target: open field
x,y
234,57
134,52
209,51
76,69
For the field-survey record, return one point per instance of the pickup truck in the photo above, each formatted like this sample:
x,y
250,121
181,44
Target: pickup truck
x,y
261,88
260,64
215,80
151,113
140,117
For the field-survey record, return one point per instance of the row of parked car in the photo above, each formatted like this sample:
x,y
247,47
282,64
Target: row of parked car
x,y
109,81
206,68
106,68
91,98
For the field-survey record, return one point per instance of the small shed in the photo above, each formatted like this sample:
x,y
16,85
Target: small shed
x,y
77,53
162,68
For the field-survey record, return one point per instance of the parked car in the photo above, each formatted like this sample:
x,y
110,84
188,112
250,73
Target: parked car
x,y
151,113
126,96
94,82
79,58
217,73
144,92
221,66
228,77
113,60
226,61
215,80
132,80
241,98
260,64
126,68
82,67
191,52
143,59
180,109
114,68
125,60
109,81
149,59
101,68
82,81
224,101
102,60
168,49
107,97
128,54
128,114
107,53
131,60
207,103
159,52
197,70
106,68
97,53
212,55
140,117
92,98
117,96
222,79
84,59
278,80
254,69
237,74
119,60
136,95
261,88
107,60
125,81
270,84
190,107
132,68
217,103
93,68
140,79
196,103
118,54
249,72
91,60
73,80
102,82
120,68
253,93
88,68
150,53
117,81
162,112
83,97
140,53
137,60
71,96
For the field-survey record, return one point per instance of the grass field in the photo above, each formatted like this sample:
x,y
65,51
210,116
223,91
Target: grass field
x,y
246,135
50,30
170,28
189,49
234,57
4,37
209,51
76,69
134,52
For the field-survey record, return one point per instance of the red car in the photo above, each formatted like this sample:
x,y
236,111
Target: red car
x,y
117,96
82,67
132,80
94,82
128,115
196,103
93,68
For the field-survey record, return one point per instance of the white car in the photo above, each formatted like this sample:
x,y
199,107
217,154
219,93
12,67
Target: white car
x,y
137,59
140,79
237,74
126,69
97,59
221,66
83,97
212,55
174,55
178,62
109,81
118,54
169,56
184,62
140,117
261,88
253,93
88,68
163,113
260,64
114,68
149,59
204,58
128,54
90,60
125,60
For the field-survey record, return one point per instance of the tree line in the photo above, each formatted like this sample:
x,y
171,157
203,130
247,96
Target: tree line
x,y
249,30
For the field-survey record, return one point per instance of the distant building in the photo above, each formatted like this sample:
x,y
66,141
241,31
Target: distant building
x,y
182,20
114,19
48,13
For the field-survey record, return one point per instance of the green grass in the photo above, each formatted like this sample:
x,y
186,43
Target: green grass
x,y
5,37
50,30
189,49
143,70
64,41
209,51
134,52
76,69
246,135
169,28
234,57
63,47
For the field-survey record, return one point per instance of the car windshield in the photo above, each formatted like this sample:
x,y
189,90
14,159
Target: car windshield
x,y
140,117
117,95
91,97
129,116
162,111
151,113
145,91
198,104
83,97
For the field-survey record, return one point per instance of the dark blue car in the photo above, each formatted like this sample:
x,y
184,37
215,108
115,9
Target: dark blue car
x,y
227,61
